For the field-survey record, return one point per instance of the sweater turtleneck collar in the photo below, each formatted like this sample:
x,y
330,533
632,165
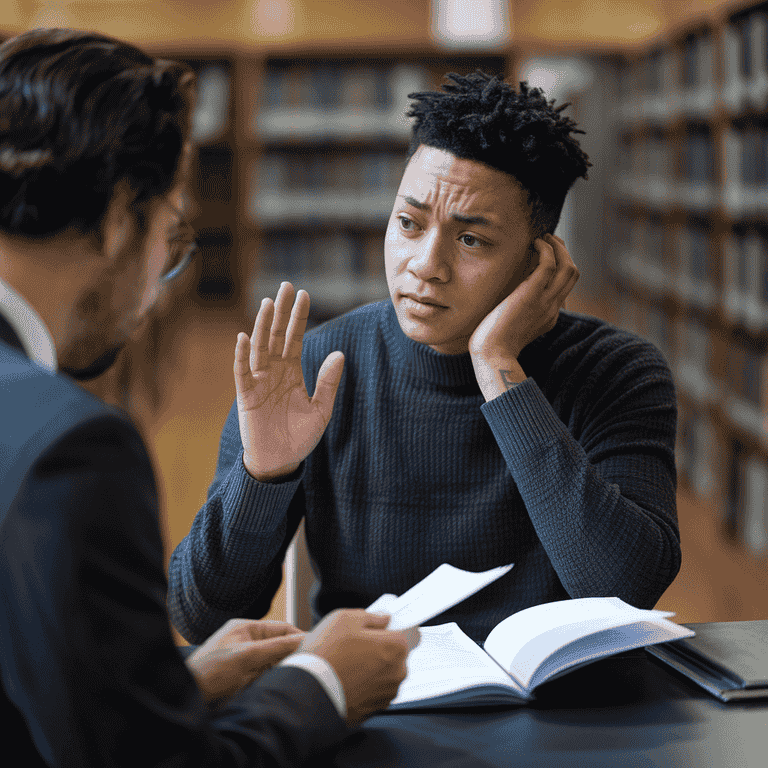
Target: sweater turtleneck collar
x,y
422,362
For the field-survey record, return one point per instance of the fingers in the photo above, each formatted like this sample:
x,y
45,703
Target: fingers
x,y
260,336
562,271
283,307
547,264
297,324
260,629
259,656
328,379
377,620
279,328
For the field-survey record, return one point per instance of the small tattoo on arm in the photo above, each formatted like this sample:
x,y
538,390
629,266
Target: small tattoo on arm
x,y
508,383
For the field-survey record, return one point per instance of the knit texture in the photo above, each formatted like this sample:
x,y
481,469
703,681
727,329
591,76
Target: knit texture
x,y
570,476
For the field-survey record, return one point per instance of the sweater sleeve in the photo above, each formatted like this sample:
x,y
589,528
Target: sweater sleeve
x,y
603,502
230,563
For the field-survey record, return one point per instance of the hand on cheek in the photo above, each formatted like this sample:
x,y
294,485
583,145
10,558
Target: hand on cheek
x,y
530,310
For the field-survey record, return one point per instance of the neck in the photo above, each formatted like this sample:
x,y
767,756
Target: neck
x,y
48,278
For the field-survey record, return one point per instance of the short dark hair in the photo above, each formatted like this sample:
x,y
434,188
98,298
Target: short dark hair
x,y
480,117
79,113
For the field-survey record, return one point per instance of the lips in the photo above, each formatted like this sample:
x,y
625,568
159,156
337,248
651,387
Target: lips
x,y
428,300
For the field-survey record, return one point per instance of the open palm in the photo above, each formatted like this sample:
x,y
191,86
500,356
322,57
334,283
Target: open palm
x,y
279,423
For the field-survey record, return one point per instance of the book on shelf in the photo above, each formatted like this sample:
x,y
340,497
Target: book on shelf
x,y
448,669
729,659
209,121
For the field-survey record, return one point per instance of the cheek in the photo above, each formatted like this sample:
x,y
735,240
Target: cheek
x,y
484,288
394,253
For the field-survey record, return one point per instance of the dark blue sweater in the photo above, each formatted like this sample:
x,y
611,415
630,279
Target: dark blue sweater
x,y
570,476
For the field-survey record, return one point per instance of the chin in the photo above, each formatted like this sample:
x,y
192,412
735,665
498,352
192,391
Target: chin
x,y
422,333
97,367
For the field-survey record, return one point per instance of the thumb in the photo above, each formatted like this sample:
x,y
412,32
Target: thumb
x,y
377,620
328,379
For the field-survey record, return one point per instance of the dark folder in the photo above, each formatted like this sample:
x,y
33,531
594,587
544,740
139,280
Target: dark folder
x,y
727,658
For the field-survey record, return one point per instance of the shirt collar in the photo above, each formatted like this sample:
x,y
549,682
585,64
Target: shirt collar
x,y
28,326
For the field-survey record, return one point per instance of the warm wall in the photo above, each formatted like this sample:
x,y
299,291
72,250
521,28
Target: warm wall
x,y
558,24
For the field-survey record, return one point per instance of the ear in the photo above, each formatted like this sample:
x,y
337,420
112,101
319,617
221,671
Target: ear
x,y
118,226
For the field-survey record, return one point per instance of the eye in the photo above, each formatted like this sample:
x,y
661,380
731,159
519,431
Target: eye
x,y
406,224
471,241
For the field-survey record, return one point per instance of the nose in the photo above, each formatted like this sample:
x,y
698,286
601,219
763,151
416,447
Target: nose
x,y
429,262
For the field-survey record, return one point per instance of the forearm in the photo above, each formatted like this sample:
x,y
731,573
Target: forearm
x,y
611,531
228,566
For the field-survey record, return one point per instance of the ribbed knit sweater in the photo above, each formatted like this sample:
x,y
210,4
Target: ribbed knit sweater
x,y
570,476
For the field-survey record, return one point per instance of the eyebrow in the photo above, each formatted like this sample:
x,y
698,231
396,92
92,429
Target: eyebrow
x,y
456,216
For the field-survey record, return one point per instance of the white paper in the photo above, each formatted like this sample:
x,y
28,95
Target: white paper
x,y
442,589
446,661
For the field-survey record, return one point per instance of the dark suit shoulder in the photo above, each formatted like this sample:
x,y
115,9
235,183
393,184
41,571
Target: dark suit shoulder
x,y
39,409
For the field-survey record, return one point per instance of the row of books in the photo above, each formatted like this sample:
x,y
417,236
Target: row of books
x,y
694,460
648,253
646,164
210,118
365,170
339,270
352,188
320,101
674,81
333,252
699,452
686,345
745,278
750,497
745,62
669,83
333,101
745,186
327,84
646,172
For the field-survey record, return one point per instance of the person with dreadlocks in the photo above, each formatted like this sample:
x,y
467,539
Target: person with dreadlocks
x,y
468,419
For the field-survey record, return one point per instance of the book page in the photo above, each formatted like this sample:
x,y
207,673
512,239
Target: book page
x,y
443,588
522,642
587,649
446,661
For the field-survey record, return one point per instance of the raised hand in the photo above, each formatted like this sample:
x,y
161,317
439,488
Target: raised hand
x,y
238,652
279,424
368,659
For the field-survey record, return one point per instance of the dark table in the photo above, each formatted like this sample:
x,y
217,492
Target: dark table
x,y
628,711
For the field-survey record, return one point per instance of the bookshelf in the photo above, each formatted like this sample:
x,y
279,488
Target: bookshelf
x,y
688,249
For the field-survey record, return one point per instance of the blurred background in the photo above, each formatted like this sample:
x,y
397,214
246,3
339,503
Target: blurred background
x,y
301,137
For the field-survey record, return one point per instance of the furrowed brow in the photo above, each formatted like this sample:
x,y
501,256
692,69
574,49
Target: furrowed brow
x,y
471,219
460,217
416,204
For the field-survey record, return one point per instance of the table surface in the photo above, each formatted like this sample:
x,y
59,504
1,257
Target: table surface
x,y
629,711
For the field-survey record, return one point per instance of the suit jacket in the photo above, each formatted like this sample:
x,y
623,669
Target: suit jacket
x,y
90,673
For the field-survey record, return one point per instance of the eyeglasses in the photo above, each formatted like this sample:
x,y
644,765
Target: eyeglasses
x,y
182,249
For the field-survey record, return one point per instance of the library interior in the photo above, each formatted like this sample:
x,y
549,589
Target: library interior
x,y
300,134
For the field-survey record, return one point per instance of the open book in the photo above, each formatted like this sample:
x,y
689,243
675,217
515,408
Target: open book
x,y
534,645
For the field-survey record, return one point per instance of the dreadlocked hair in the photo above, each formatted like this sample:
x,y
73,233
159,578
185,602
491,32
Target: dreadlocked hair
x,y
480,117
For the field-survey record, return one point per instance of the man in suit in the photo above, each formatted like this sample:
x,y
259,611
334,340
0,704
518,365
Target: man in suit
x,y
94,160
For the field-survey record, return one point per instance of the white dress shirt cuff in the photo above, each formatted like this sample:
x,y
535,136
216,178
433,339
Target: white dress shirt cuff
x,y
324,674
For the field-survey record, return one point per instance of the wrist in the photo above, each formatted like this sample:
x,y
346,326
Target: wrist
x,y
274,476
498,374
